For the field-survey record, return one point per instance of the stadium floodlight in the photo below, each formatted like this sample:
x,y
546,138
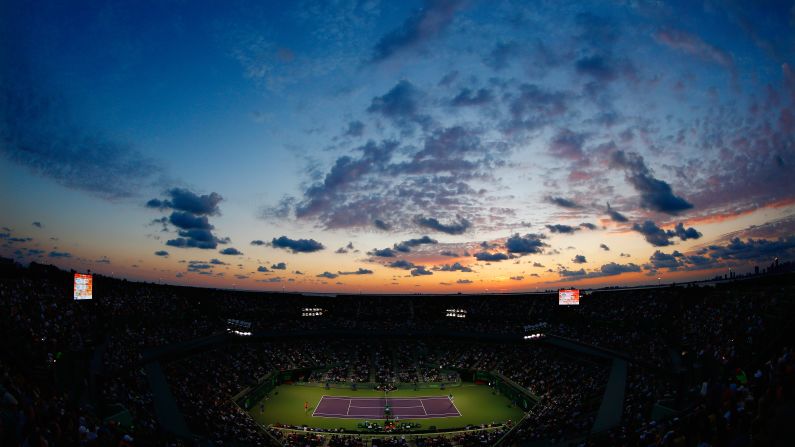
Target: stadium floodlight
x,y
238,327
312,311
456,313
534,336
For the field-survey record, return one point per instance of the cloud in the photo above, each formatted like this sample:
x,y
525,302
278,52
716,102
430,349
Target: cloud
x,y
653,234
464,281
599,67
455,267
615,215
527,244
467,97
661,238
685,234
671,261
502,55
401,264
263,269
563,202
401,105
604,247
216,261
199,266
60,254
579,259
39,132
449,253
425,24
612,269
360,271
691,44
406,246
162,253
381,225
297,245
533,107
564,229
191,242
566,273
188,201
517,278
274,279
328,275
258,242
456,227
189,214
188,221
355,129
38,224
382,253
588,225
655,194
491,257
567,144
279,266
421,271
433,176
758,250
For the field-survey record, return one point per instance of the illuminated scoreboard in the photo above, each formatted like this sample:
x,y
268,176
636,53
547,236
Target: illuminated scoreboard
x,y
84,285
569,297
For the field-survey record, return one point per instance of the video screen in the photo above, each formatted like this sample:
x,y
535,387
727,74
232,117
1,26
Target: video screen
x,y
569,297
84,285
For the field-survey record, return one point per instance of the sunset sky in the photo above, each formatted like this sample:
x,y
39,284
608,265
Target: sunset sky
x,y
398,146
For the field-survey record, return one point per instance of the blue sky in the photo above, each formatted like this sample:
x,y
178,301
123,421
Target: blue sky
x,y
480,142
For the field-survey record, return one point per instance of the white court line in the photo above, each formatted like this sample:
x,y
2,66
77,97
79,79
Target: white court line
x,y
423,408
318,405
347,412
378,418
456,408
381,398
394,408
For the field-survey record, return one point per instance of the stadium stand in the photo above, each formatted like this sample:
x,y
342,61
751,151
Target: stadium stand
x,y
709,364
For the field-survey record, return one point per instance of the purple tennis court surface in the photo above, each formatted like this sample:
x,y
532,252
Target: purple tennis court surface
x,y
373,407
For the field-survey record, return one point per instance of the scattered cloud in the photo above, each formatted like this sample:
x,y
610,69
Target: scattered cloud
x,y
421,271
491,257
406,246
655,194
615,216
563,202
297,245
564,229
231,251
658,237
359,271
527,244
459,226
423,25
455,267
